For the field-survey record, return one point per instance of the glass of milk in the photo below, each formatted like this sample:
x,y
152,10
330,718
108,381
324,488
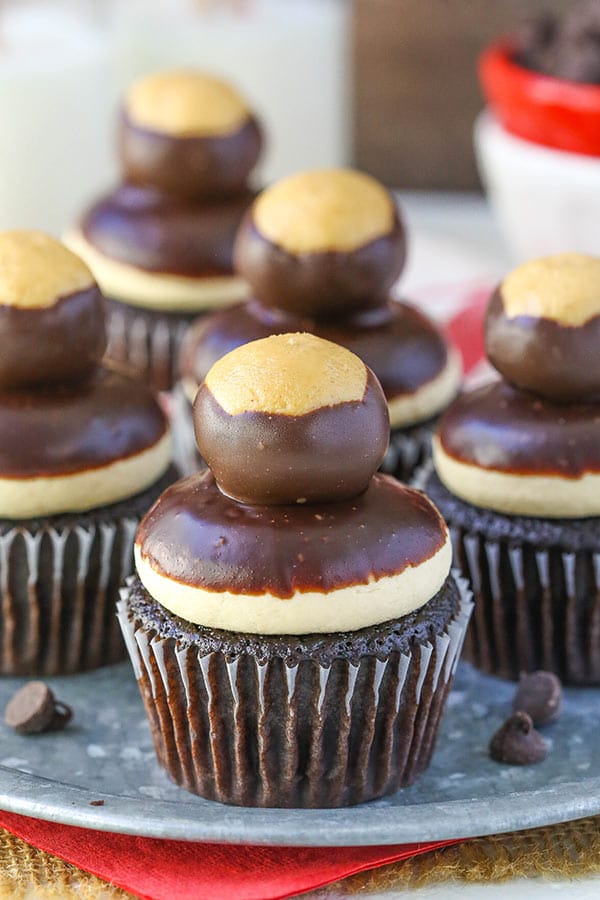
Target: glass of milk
x,y
291,58
56,108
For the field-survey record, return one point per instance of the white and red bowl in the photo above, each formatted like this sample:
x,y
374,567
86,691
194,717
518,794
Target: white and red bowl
x,y
538,149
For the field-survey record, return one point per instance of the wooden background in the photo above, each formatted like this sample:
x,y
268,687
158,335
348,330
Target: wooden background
x,y
416,91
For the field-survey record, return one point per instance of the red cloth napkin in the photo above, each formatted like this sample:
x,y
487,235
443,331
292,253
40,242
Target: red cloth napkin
x,y
177,870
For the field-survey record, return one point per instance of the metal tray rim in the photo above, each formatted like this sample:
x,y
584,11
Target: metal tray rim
x,y
370,825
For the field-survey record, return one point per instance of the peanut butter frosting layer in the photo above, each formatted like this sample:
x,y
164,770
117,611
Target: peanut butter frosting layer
x,y
292,569
506,449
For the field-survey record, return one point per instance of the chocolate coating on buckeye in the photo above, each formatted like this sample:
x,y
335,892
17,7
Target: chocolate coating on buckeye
x,y
291,419
198,536
63,342
52,316
187,133
326,455
194,168
500,427
556,361
71,428
320,284
164,234
403,348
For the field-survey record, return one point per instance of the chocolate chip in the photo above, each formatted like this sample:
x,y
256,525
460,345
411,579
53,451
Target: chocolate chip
x,y
62,716
540,695
517,742
34,709
564,46
96,802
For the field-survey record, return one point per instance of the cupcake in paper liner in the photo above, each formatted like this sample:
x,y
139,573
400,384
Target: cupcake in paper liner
x,y
85,451
321,251
293,624
161,244
518,476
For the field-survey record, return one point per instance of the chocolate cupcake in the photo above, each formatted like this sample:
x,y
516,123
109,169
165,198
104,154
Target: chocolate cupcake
x,y
161,244
85,451
518,476
321,251
293,625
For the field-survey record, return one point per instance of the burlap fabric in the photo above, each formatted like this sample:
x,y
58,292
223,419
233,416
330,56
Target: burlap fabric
x,y
568,850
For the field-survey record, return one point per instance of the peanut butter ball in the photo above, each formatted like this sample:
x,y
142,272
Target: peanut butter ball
x,y
291,419
322,243
542,328
52,317
189,134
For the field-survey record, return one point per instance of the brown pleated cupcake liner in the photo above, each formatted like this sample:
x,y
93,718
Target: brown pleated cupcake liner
x,y
254,732
536,607
409,449
147,342
58,588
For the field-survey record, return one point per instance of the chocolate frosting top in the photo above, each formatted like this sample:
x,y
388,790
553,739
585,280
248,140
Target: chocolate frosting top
x,y
70,428
555,360
196,535
500,427
160,233
404,348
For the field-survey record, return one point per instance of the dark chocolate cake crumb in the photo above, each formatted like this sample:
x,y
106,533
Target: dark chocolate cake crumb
x,y
34,709
517,742
397,636
539,694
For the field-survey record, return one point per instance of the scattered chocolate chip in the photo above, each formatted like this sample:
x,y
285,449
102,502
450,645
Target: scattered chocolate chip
x,y
540,695
34,709
517,742
96,802
62,716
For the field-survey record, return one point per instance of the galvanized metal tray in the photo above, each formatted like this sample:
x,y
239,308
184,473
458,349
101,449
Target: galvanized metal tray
x,y
106,755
